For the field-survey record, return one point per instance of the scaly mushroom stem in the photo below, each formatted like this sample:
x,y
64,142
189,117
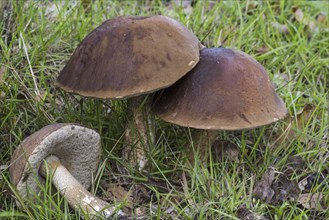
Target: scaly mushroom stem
x,y
201,139
75,194
140,131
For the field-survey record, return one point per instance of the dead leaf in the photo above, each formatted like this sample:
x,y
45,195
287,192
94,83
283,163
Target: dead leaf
x,y
302,185
261,50
282,28
225,150
322,22
117,193
294,164
252,5
313,180
139,194
298,14
86,4
2,95
294,126
2,71
141,212
311,25
312,201
186,188
304,115
4,167
41,96
285,189
262,189
244,213
321,18
185,5
275,189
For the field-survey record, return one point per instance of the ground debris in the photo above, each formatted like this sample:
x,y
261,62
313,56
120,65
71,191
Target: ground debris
x,y
116,193
7,18
321,18
282,28
298,14
294,165
285,189
2,71
262,50
250,7
318,180
312,201
130,196
275,188
185,5
263,188
294,126
244,213
3,168
225,150
311,25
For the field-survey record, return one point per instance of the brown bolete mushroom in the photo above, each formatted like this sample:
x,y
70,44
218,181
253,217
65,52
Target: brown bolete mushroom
x,y
128,57
227,90
71,153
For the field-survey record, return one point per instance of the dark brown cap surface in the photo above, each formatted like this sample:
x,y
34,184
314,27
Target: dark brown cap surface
x,y
227,90
127,56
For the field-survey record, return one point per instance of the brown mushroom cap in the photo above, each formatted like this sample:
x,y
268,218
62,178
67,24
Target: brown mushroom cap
x,y
77,147
127,56
227,90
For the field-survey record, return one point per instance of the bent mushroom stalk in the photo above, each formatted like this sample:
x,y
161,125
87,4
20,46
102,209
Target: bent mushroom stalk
x,y
227,90
128,57
71,154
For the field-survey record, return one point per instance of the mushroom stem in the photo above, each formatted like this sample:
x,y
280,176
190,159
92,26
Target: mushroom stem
x,y
140,131
76,195
201,139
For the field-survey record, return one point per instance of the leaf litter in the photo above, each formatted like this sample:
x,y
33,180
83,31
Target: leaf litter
x,y
2,71
276,187
225,150
294,126
244,213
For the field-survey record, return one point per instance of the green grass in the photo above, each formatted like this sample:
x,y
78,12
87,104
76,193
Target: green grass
x,y
297,62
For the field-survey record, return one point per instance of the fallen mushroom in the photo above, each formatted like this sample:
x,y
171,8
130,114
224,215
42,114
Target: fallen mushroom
x,y
227,90
71,153
129,57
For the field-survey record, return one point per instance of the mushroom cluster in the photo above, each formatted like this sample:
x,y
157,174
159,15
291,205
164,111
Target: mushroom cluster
x,y
131,57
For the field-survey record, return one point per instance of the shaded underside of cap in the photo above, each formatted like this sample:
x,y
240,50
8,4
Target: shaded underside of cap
x,y
130,55
227,90
77,147
25,149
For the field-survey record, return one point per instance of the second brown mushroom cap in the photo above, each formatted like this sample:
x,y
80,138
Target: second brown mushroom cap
x,y
227,90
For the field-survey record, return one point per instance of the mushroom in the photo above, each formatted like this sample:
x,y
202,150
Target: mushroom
x,y
72,153
227,90
128,57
